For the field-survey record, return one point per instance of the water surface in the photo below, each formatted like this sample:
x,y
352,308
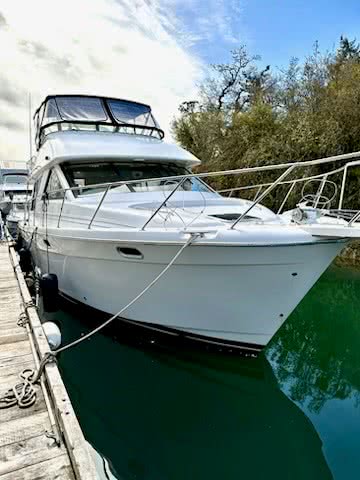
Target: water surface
x,y
158,412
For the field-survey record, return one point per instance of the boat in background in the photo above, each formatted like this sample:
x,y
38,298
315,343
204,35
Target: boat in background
x,y
13,187
15,215
114,207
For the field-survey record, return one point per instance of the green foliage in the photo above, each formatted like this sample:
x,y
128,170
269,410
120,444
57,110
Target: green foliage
x,y
246,116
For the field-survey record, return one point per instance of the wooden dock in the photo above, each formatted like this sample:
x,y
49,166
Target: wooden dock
x,y
27,449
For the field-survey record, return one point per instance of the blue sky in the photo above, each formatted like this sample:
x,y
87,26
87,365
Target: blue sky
x,y
154,51
275,29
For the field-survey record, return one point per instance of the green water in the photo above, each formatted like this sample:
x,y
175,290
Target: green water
x,y
173,413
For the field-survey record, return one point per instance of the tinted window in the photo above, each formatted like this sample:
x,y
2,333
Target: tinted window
x,y
133,113
54,184
86,174
81,108
15,179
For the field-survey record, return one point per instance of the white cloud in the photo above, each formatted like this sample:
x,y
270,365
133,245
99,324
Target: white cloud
x,y
133,49
212,21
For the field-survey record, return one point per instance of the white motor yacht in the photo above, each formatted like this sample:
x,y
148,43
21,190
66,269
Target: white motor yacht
x,y
16,214
13,187
113,204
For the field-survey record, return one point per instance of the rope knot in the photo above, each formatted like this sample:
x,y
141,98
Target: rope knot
x,y
23,319
23,393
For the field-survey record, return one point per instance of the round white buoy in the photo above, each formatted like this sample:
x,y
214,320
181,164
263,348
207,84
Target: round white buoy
x,y
53,334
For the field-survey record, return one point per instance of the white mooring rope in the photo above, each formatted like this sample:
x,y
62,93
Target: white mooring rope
x,y
151,284
24,394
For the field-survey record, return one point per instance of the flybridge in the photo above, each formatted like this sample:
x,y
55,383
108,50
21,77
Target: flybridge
x,y
90,113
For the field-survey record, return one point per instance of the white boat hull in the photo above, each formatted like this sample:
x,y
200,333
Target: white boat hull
x,y
239,294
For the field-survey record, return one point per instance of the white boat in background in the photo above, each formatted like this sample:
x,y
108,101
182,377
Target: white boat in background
x,y
13,187
113,204
15,215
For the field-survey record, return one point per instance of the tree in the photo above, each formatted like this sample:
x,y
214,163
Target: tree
x,y
348,50
246,116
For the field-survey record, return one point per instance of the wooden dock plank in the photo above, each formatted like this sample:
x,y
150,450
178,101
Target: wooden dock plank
x,y
23,428
18,455
12,335
20,359
15,369
10,414
57,468
14,349
25,451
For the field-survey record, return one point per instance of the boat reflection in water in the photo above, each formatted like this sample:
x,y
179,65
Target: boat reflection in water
x,y
323,364
171,413
316,360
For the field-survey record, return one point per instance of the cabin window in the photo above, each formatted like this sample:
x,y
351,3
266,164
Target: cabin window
x,y
138,174
15,179
54,184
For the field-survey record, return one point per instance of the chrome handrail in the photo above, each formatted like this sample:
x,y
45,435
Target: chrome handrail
x,y
263,195
180,179
61,209
164,203
355,217
286,197
297,180
99,205
279,166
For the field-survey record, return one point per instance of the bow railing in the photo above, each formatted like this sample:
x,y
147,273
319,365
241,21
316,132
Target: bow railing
x,y
262,189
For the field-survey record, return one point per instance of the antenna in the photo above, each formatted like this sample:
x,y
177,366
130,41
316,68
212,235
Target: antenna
x,y
30,132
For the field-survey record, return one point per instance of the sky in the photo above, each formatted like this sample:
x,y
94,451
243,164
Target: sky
x,y
153,51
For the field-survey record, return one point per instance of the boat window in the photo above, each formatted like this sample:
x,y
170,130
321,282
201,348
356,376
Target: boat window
x,y
87,174
81,108
130,112
19,206
20,179
82,112
52,185
51,113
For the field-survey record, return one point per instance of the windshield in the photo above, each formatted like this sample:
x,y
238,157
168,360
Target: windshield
x,y
83,112
85,174
81,108
20,179
130,112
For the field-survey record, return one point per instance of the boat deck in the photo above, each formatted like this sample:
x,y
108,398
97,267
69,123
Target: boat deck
x,y
26,450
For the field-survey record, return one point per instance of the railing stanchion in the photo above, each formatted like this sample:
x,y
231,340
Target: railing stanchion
x,y
286,197
99,205
343,187
61,209
355,217
320,190
264,194
164,202
257,193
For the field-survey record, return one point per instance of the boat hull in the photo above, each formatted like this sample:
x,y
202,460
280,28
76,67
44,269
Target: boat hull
x,y
12,226
232,293
5,206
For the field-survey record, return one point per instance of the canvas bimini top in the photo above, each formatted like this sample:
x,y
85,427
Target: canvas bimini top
x,y
93,113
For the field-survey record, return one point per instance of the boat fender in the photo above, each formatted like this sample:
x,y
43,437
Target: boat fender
x,y
25,260
53,334
50,292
